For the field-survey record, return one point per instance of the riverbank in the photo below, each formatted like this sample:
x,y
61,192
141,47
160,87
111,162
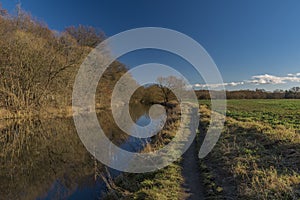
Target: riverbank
x,y
42,113
50,112
167,183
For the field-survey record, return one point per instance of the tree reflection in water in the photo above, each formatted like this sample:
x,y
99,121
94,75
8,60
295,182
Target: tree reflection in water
x,y
45,159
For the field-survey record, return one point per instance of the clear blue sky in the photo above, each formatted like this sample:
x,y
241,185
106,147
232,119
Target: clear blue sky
x,y
245,38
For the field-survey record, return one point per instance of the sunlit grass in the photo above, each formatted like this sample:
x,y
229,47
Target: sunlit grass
x,y
259,159
276,112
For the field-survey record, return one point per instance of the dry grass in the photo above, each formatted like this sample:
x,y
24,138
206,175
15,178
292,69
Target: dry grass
x,y
163,184
253,160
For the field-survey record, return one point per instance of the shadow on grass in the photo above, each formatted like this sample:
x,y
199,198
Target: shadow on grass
x,y
253,162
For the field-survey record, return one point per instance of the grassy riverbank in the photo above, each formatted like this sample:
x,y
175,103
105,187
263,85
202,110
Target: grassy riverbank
x,y
163,184
50,112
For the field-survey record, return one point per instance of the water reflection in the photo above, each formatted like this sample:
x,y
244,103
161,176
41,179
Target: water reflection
x,y
44,159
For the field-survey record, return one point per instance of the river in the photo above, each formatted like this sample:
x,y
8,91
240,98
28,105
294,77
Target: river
x,y
45,159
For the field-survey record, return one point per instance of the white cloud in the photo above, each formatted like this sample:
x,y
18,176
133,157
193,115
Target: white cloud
x,y
236,83
266,79
270,79
297,74
197,85
217,85
257,80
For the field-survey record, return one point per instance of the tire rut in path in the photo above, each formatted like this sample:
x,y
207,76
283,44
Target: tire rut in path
x,y
193,186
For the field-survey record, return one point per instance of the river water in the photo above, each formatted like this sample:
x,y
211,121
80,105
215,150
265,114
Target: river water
x,y
44,158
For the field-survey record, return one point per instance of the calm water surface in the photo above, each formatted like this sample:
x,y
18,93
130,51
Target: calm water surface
x,y
44,159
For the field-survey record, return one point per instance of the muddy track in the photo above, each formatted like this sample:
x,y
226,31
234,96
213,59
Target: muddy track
x,y
193,187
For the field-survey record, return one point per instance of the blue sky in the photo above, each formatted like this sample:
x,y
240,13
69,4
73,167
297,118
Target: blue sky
x,y
245,38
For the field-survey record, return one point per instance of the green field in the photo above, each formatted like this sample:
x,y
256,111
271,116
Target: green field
x,y
258,152
273,112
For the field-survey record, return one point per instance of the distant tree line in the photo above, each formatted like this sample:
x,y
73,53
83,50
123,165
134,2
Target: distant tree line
x,y
293,93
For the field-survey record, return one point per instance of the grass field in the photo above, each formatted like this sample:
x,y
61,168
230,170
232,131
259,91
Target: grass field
x,y
273,112
258,153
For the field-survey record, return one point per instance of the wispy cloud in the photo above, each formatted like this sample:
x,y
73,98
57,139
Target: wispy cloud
x,y
256,80
218,85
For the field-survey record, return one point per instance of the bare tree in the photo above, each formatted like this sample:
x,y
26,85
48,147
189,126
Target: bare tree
x,y
168,85
34,63
86,35
3,12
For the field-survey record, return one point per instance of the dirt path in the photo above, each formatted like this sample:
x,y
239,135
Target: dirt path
x,y
193,188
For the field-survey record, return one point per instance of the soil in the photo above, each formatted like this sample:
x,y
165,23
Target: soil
x,y
193,187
